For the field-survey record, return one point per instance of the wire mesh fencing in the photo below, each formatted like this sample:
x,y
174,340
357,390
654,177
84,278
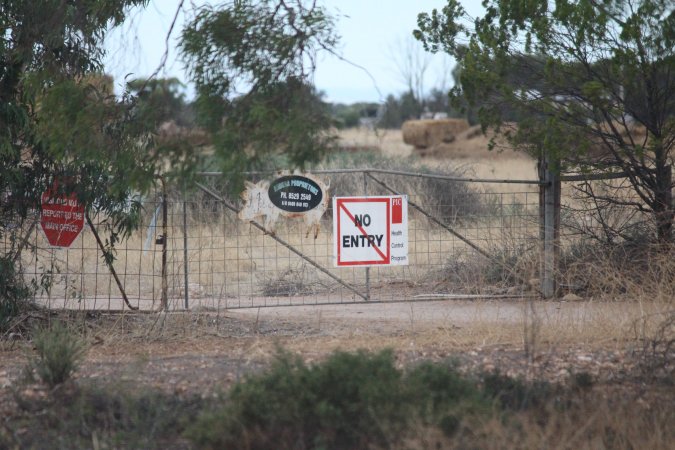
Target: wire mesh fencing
x,y
608,244
191,251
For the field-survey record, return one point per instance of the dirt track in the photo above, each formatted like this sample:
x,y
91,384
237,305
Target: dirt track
x,y
429,313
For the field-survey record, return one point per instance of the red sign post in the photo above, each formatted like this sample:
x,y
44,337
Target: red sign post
x,y
62,217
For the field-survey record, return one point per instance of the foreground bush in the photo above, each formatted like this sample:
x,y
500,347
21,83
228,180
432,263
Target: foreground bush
x,y
349,401
113,416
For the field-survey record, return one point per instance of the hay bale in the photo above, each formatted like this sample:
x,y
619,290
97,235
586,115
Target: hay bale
x,y
476,131
471,133
423,134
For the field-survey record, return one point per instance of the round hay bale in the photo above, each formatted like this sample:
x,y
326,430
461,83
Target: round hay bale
x,y
415,133
471,133
428,133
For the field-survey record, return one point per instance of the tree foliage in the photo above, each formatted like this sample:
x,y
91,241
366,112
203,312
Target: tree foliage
x,y
251,63
159,100
397,110
583,78
58,120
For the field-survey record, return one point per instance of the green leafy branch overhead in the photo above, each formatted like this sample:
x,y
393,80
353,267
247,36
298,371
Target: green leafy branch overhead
x,y
251,63
590,83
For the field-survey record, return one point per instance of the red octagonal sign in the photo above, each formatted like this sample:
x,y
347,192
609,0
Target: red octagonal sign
x,y
62,217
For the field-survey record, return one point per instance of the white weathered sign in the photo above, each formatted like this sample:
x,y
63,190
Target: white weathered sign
x,y
290,195
370,231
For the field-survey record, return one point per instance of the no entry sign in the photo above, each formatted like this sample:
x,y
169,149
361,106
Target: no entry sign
x,y
370,231
62,217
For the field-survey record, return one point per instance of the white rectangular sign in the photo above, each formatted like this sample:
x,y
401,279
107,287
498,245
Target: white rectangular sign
x,y
370,231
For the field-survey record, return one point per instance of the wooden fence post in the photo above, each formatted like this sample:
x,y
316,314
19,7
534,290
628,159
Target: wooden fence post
x,y
165,238
186,273
549,225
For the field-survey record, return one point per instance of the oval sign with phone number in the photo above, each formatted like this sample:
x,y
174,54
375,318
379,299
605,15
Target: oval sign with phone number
x,y
295,193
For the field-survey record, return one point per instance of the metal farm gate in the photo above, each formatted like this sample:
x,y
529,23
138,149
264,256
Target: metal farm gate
x,y
467,238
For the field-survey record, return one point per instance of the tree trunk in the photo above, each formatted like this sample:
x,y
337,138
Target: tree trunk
x,y
663,203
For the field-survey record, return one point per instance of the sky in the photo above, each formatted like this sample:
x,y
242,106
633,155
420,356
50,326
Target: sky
x,y
374,37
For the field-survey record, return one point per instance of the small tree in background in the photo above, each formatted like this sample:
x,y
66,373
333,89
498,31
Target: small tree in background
x,y
581,77
349,116
397,110
159,100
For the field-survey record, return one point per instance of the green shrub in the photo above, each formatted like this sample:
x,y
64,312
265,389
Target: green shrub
x,y
444,398
59,353
351,400
14,293
581,381
516,394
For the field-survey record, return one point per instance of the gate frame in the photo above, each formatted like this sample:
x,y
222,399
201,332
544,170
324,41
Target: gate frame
x,y
549,239
282,242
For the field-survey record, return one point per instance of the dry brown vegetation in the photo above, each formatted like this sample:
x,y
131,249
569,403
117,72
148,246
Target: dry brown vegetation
x,y
469,148
599,354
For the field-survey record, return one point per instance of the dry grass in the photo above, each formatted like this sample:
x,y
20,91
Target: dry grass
x,y
389,142
461,325
468,151
430,329
491,334
591,422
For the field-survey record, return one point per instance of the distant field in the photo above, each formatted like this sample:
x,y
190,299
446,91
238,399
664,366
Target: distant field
x,y
472,153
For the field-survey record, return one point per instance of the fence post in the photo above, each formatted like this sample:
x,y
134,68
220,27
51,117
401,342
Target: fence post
x,y
165,238
365,193
549,225
185,251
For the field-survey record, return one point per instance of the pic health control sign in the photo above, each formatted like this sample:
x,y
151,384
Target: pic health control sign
x,y
370,231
